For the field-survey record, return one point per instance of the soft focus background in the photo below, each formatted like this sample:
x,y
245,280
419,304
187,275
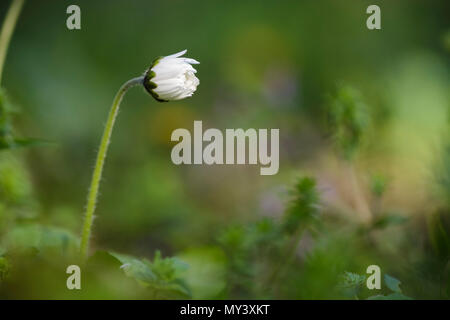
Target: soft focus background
x,y
364,151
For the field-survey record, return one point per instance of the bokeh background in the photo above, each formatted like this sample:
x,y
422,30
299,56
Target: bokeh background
x,y
364,150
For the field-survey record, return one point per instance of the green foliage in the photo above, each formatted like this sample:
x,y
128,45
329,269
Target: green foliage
x,y
7,138
348,120
162,276
239,244
303,207
351,280
392,284
260,252
352,285
41,240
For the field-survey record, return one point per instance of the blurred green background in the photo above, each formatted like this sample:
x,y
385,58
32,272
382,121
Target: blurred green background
x,y
364,114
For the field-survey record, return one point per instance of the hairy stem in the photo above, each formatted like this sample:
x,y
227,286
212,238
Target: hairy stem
x,y
7,30
97,175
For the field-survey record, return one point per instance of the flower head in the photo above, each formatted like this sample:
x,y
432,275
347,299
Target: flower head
x,y
171,77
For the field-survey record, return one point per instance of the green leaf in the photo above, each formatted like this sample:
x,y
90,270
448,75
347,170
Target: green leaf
x,y
41,239
392,296
162,276
392,283
351,280
136,269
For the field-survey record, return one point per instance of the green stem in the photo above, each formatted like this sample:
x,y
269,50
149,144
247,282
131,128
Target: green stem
x,y
7,30
97,175
288,256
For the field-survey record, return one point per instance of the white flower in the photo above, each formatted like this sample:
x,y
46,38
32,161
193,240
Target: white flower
x,y
171,77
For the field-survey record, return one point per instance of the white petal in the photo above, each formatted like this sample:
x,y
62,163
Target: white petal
x,y
175,77
176,55
191,61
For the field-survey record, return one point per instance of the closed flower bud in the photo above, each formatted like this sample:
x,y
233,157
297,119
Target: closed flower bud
x,y
171,78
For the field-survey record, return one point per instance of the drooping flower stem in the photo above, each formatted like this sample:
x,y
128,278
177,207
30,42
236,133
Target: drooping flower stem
x,y
97,175
7,30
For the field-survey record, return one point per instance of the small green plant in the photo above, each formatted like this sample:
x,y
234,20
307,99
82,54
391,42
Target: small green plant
x,y
353,285
348,120
270,243
162,276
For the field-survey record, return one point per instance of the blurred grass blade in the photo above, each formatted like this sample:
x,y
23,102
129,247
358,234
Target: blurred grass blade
x,y
7,30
